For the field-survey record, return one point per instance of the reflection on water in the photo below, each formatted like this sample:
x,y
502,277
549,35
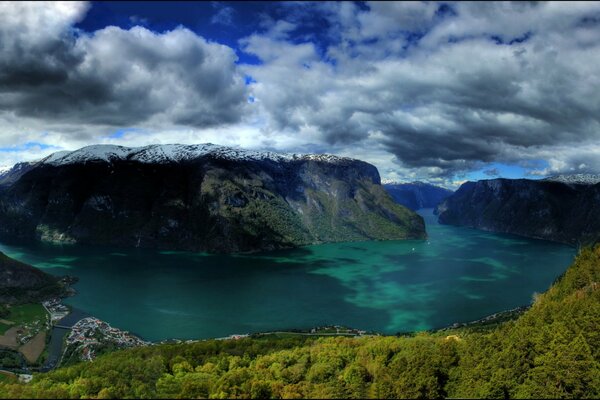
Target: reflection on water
x,y
457,274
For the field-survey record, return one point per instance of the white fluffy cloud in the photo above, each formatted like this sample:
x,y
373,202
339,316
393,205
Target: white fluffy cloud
x,y
33,23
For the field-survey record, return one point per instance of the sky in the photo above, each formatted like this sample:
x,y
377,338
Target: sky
x,y
441,92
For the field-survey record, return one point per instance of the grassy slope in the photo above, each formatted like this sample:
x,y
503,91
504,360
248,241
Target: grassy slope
x,y
552,350
370,215
23,314
326,215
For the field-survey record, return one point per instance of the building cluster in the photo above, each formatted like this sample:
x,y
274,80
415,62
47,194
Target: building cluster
x,y
238,337
233,337
56,309
89,334
29,329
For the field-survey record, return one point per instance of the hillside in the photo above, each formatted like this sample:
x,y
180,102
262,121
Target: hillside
x,y
22,283
561,209
551,351
200,198
416,195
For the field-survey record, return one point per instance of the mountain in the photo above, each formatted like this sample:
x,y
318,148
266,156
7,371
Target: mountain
x,y
9,175
416,195
564,210
22,283
200,198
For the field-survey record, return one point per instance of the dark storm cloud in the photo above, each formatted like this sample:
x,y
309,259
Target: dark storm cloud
x,y
113,76
483,83
492,172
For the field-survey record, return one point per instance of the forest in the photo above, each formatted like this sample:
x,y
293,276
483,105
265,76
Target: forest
x,y
550,351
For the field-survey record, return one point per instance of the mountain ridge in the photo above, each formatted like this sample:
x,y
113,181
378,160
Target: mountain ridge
x,y
543,209
200,198
176,153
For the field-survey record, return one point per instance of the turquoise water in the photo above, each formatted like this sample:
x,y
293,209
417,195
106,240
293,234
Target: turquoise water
x,y
457,275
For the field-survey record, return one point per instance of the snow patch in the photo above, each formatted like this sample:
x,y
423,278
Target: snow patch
x,y
578,179
174,153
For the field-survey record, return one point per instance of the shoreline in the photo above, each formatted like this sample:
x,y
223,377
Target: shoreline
x,y
60,331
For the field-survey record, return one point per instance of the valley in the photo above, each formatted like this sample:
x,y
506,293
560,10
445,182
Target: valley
x,y
417,195
455,287
456,275
357,259
299,199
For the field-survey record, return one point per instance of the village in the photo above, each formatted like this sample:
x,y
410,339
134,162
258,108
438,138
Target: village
x,y
56,309
90,335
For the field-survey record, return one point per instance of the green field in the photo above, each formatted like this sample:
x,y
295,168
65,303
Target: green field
x,y
7,378
24,314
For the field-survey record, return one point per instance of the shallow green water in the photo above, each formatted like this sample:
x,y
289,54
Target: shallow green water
x,y
457,275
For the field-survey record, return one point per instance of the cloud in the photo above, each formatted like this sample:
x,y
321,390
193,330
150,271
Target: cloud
x,y
390,18
477,84
424,90
173,77
137,20
224,14
492,172
78,83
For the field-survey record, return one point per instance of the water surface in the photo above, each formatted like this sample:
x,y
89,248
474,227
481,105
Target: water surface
x,y
457,275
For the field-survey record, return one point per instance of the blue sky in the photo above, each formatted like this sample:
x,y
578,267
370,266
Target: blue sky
x,y
499,170
200,17
434,91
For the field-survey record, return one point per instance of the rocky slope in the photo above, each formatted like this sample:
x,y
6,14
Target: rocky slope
x,y
22,283
201,198
416,195
562,210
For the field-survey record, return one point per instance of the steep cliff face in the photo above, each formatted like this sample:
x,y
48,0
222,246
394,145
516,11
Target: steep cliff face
x,y
203,198
416,195
22,283
560,210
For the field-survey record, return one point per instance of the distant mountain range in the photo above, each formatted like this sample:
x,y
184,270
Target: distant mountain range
x,y
199,197
563,208
416,195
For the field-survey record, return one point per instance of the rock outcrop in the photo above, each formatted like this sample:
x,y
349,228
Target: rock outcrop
x,y
565,210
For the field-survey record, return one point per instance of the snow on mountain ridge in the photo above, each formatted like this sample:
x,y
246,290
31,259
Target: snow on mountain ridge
x,y
385,181
585,179
174,153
